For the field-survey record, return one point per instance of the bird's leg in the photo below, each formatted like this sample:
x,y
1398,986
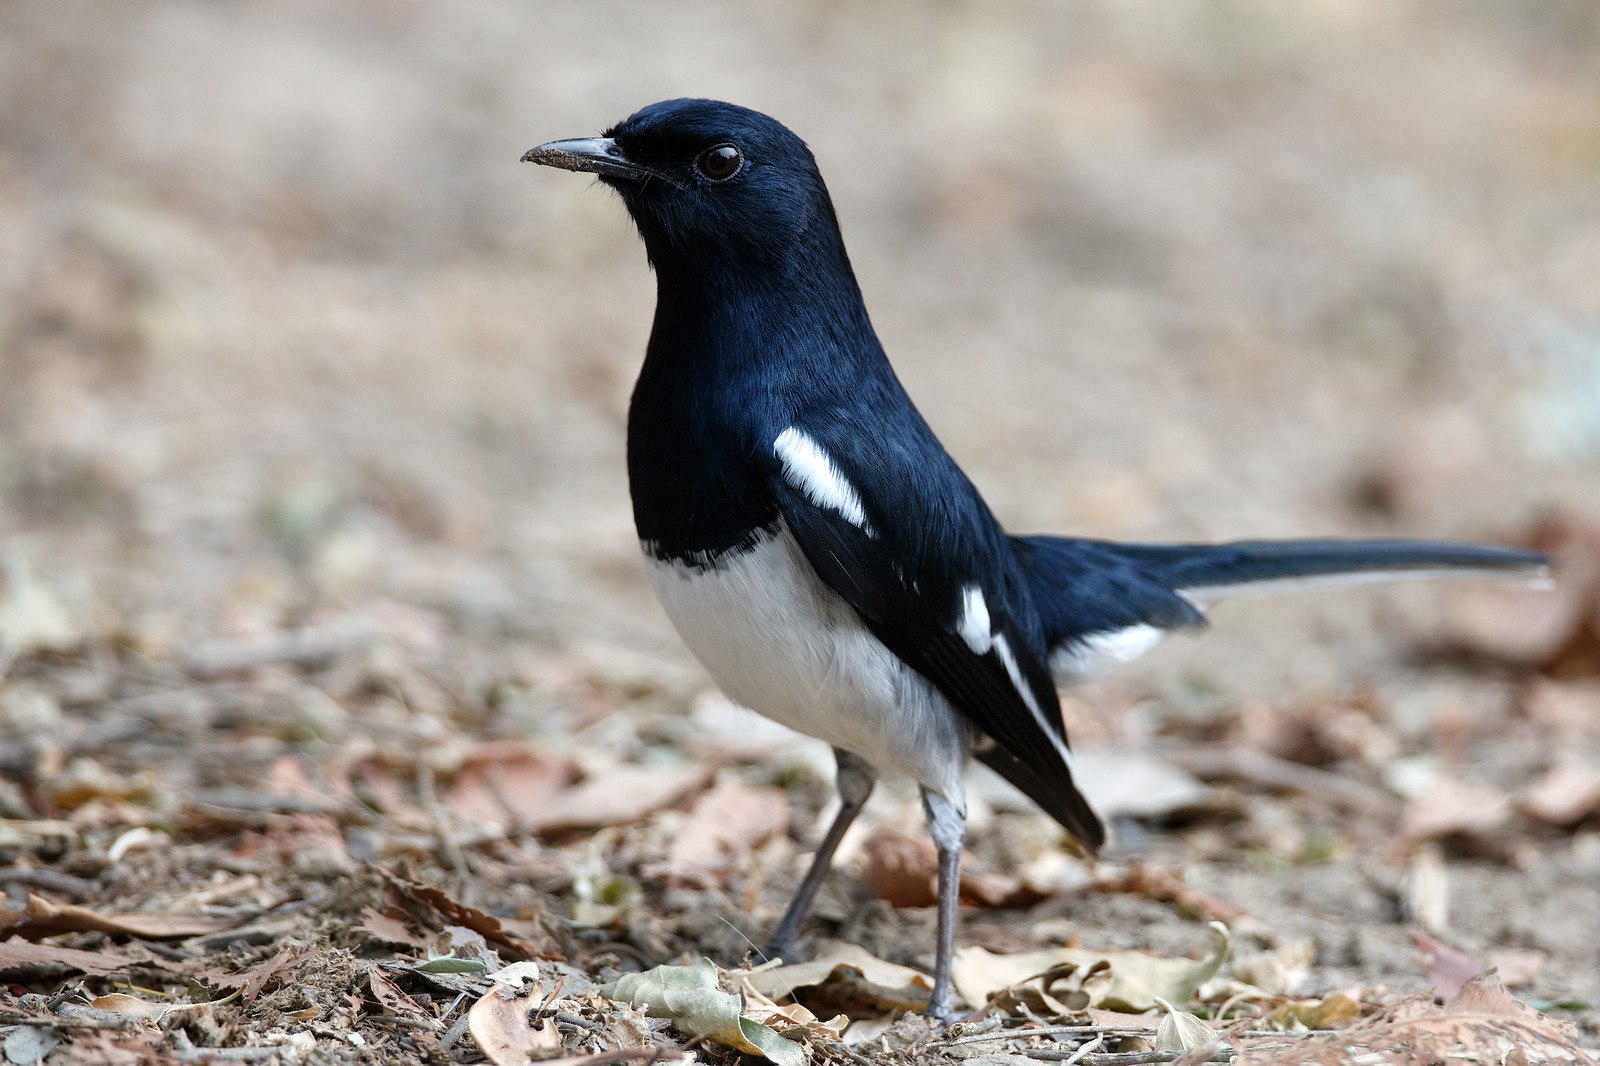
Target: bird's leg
x,y
855,780
947,823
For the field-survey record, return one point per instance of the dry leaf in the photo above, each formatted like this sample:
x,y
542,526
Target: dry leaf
x,y
389,930
617,796
1279,972
393,999
724,825
1566,795
500,1022
130,1006
903,870
456,913
507,783
1136,979
871,981
252,980
1326,1013
692,997
1449,970
17,954
43,918
1182,1031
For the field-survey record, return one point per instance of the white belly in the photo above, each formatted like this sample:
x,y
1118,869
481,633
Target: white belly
x,y
779,641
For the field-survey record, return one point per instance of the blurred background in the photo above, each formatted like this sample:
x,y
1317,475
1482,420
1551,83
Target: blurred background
x,y
290,343
285,324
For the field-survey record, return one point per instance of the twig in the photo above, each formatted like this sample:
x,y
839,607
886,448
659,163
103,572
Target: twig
x,y
428,793
54,880
1125,1058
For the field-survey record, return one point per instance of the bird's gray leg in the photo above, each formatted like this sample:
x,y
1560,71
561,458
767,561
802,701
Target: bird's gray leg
x,y
855,781
947,823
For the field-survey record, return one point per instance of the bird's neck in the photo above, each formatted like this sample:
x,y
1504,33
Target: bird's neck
x,y
725,320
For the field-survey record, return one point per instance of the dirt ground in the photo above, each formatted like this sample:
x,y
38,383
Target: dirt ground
x,y
330,686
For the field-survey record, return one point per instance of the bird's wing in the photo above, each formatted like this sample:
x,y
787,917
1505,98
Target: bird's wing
x,y
918,556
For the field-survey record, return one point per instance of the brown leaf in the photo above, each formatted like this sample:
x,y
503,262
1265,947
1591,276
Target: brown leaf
x,y
394,1000
389,930
44,918
867,982
253,979
904,870
617,796
455,912
501,1024
1566,795
506,783
1449,970
17,954
725,824
130,1006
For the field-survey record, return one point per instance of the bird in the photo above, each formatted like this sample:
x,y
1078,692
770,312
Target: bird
x,y
820,552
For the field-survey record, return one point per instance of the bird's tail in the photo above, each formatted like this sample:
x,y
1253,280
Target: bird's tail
x,y
1204,573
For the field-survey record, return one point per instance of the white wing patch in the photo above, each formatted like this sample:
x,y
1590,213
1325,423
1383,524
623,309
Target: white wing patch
x,y
811,470
973,626
1002,648
1095,653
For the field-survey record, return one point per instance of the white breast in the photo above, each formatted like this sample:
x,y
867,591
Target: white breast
x,y
779,641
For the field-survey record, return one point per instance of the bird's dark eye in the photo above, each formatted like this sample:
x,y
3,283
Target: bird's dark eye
x,y
719,163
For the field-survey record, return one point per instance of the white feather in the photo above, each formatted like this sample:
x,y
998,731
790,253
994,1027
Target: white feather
x,y
810,469
1095,653
973,626
779,641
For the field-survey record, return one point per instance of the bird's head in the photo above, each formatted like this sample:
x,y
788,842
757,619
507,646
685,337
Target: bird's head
x,y
709,184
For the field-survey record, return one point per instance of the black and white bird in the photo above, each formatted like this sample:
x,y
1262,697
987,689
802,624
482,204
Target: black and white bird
x,y
817,548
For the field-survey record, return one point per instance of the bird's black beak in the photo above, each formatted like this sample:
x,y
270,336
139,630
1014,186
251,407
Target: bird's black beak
x,y
593,155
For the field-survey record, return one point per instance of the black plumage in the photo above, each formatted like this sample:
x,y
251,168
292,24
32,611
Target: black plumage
x,y
819,549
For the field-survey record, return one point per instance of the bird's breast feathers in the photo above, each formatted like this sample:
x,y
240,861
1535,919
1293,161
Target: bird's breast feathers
x,y
777,640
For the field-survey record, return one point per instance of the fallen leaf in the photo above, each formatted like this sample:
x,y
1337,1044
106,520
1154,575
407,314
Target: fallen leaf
x,y
253,979
1279,972
393,999
130,1006
1325,1013
1448,970
506,783
456,913
42,918
617,796
903,870
1136,979
723,826
501,1024
389,930
1566,795
695,1002
18,954
869,982
1182,1031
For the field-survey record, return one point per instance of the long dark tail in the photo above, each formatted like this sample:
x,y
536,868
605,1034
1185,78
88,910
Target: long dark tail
x,y
1203,572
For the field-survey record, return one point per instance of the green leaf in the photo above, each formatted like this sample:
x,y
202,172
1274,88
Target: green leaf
x,y
691,997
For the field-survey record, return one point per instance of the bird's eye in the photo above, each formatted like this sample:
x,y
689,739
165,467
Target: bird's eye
x,y
719,163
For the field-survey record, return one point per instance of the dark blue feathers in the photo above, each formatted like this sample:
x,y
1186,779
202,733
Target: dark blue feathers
x,y
766,409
